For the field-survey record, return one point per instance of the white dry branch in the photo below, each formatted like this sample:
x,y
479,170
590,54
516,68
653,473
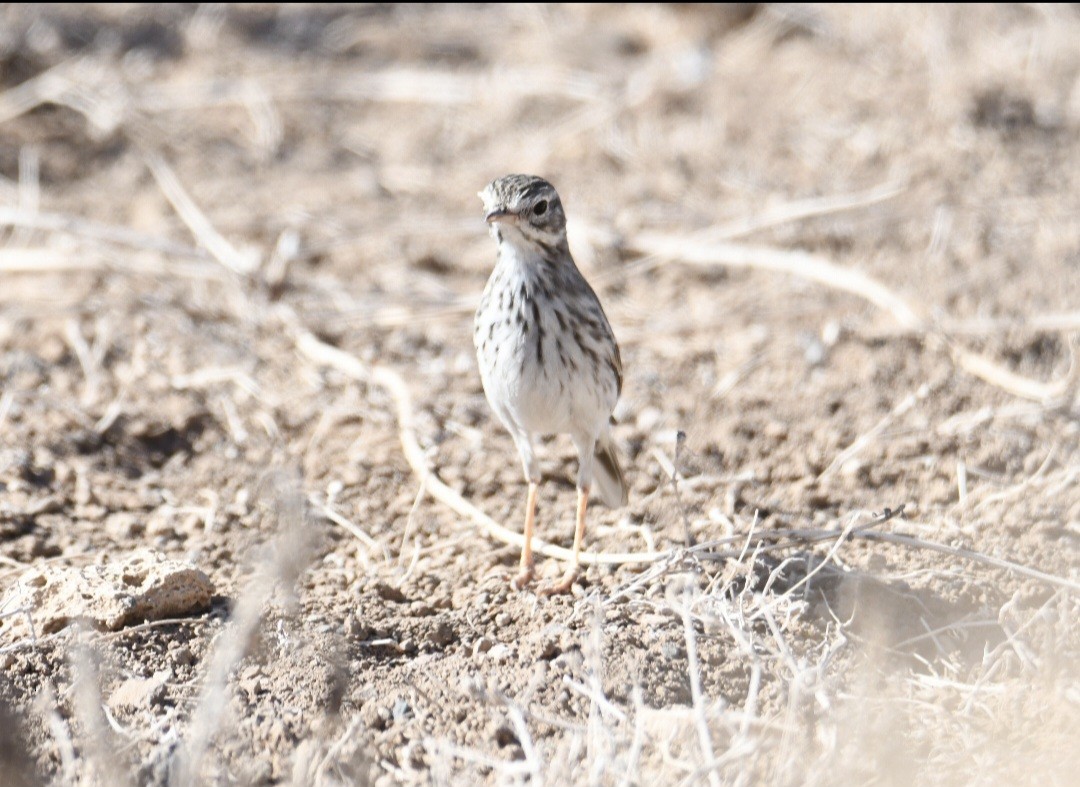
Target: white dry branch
x,y
111,234
213,241
818,269
58,85
398,85
800,210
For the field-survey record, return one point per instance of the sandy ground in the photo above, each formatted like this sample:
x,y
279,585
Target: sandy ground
x,y
839,248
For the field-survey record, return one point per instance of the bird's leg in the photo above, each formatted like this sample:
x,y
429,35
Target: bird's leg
x,y
525,574
571,575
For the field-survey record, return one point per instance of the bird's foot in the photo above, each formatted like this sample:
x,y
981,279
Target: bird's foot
x,y
523,578
563,585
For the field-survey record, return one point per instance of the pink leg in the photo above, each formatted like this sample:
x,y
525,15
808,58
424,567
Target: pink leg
x,y
567,581
525,574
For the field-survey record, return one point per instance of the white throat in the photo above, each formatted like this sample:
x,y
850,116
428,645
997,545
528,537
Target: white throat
x,y
514,244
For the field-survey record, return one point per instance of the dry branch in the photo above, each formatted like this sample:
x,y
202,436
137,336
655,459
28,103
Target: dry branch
x,y
799,210
793,263
975,557
200,226
818,269
95,230
391,85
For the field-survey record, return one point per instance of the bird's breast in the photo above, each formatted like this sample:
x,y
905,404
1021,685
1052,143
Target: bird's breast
x,y
535,372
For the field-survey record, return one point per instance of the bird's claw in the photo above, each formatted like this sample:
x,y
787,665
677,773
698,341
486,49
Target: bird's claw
x,y
523,578
563,585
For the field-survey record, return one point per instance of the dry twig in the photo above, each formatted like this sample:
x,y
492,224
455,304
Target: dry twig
x,y
818,269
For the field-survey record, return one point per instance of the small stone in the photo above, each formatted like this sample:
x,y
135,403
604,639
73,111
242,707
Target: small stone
x,y
672,650
142,587
136,693
390,593
442,635
854,468
84,495
482,645
505,736
355,629
503,619
401,710
123,524
374,718
183,656
648,419
776,430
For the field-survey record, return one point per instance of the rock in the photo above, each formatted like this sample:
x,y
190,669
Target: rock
x,y
357,629
505,736
183,656
135,693
442,635
390,593
401,710
145,586
648,419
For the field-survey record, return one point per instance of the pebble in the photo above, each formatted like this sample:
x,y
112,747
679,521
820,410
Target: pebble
x,y
375,717
648,419
136,693
442,635
673,650
183,656
355,629
505,736
390,593
401,710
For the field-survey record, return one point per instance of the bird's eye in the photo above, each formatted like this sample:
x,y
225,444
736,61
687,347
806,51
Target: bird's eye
x,y
540,208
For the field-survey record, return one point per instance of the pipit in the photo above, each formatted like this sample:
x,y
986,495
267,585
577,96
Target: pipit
x,y
548,359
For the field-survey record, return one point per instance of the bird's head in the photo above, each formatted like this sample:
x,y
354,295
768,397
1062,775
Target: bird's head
x,y
526,211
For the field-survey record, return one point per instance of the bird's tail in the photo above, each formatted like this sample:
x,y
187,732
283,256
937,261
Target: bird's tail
x,y
608,475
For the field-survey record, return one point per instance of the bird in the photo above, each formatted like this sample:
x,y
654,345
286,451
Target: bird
x,y
548,359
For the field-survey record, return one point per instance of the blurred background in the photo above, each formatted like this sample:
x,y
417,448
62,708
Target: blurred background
x,y
840,249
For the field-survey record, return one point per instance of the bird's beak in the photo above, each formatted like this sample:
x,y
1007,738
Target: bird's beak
x,y
500,214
